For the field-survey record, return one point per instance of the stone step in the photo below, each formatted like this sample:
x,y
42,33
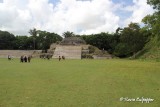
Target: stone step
x,y
69,52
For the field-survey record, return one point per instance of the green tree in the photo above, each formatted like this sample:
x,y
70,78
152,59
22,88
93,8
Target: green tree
x,y
34,33
152,23
68,34
131,41
122,50
45,39
154,3
6,40
23,43
103,41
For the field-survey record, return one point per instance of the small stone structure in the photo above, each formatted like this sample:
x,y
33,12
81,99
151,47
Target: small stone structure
x,y
102,57
72,41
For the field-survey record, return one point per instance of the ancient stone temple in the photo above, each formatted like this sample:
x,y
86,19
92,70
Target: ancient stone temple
x,y
76,48
70,48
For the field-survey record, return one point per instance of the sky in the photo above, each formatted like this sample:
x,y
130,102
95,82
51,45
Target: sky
x,y
78,16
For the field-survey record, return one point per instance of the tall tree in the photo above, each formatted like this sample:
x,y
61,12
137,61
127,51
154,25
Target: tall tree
x,y
33,32
45,39
131,41
153,21
102,40
6,40
68,34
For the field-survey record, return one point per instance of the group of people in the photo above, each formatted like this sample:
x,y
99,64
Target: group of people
x,y
28,58
43,56
25,59
61,58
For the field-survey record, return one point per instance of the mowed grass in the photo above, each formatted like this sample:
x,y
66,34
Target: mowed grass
x,y
78,83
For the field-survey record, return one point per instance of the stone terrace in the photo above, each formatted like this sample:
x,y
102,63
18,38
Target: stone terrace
x,y
70,52
17,53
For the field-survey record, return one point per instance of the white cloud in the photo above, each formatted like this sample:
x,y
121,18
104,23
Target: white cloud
x,y
139,10
83,17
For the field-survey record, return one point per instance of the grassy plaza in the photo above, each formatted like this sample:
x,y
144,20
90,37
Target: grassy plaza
x,y
79,83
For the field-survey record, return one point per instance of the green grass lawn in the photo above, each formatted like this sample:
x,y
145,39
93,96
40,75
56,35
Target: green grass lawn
x,y
78,83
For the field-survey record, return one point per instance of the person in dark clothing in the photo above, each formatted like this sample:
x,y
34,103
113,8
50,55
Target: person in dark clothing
x,y
29,58
21,59
25,59
59,58
63,57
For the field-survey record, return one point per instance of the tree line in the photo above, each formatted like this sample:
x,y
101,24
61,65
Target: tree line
x,y
39,40
125,42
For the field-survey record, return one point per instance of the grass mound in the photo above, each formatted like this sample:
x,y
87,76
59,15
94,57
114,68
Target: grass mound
x,y
151,50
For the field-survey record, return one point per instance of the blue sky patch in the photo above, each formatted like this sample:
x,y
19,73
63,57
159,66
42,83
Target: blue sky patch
x,y
126,2
1,1
54,1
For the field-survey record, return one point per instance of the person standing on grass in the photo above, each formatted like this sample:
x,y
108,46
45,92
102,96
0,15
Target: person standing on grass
x,y
9,57
59,58
25,59
63,57
21,59
29,58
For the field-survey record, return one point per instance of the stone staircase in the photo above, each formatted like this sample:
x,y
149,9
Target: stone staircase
x,y
69,52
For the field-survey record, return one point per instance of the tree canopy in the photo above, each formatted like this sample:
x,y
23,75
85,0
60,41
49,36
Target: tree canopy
x,y
155,4
68,34
38,40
